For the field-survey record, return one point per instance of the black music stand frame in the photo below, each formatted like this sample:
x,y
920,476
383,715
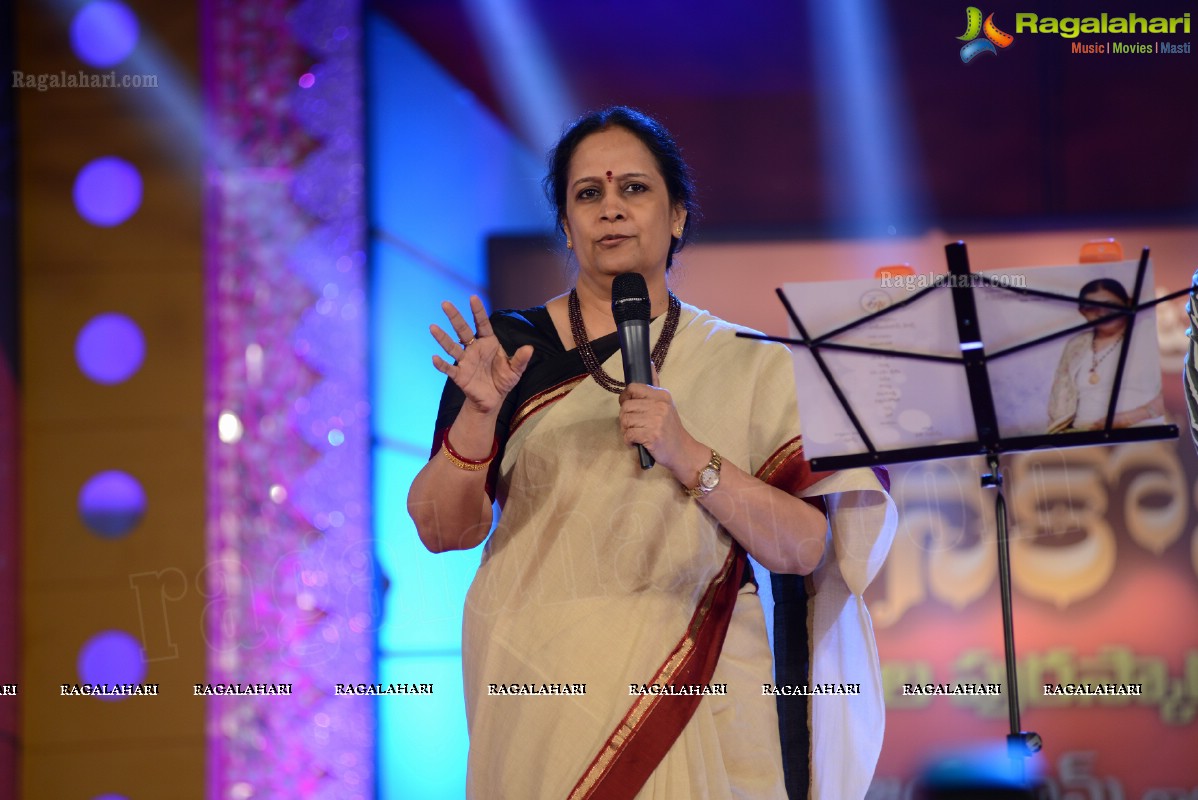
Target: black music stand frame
x,y
1020,743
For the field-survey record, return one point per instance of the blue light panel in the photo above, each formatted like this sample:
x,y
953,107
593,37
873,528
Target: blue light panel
x,y
444,174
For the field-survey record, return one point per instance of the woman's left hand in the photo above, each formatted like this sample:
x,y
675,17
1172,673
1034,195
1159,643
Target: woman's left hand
x,y
648,416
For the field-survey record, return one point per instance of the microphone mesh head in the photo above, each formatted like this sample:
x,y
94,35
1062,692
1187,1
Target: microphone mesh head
x,y
629,297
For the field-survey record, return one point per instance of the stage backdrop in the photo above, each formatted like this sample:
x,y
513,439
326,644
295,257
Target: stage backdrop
x,y
1104,550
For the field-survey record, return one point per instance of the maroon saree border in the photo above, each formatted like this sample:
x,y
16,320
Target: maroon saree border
x,y
542,400
788,469
653,723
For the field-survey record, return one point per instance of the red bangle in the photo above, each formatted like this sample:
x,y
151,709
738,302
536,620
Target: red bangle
x,y
468,464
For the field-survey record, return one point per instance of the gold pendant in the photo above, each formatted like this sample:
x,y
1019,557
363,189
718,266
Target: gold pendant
x,y
1093,377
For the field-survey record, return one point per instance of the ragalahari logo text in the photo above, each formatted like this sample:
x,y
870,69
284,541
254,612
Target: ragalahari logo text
x,y
993,36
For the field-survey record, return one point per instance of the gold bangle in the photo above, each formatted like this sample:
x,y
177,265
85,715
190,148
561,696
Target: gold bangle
x,y
463,463
460,464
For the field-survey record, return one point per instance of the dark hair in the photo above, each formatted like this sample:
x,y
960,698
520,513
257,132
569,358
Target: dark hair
x,y
1103,284
680,184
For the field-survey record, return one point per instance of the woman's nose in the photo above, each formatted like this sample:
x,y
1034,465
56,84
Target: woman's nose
x,y
612,207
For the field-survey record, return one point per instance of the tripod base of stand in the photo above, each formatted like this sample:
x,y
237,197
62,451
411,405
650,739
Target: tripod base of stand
x,y
1024,744
1020,747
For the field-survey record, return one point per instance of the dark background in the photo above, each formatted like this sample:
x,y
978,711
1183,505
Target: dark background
x,y
1034,137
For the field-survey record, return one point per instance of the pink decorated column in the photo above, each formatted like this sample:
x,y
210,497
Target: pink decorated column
x,y
291,569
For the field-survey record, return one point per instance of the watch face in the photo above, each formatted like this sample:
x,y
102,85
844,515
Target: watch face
x,y
709,478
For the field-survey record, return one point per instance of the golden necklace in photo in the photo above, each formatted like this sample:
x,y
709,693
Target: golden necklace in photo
x,y
1096,359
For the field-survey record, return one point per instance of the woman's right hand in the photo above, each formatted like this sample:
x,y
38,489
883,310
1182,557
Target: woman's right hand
x,y
481,368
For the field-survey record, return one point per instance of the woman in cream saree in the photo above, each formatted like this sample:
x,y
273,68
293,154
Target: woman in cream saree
x,y
602,575
632,584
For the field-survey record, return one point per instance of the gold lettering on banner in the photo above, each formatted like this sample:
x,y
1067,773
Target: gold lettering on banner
x,y
1181,706
943,544
1154,505
1062,547
959,575
1066,510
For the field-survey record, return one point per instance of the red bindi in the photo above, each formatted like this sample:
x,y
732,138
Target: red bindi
x,y
609,176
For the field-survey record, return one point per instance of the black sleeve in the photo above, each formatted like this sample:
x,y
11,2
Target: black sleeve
x,y
550,366
513,330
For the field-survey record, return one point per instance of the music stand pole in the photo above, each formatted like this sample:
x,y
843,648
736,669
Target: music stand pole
x,y
1020,744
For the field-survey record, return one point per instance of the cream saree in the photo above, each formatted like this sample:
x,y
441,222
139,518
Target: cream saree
x,y
599,573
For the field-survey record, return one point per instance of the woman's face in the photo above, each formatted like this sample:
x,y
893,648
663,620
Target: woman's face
x,y
618,210
1112,327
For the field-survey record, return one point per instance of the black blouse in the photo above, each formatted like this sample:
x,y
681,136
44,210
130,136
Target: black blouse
x,y
551,364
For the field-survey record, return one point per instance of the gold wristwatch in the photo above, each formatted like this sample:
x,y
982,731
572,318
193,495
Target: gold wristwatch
x,y
709,478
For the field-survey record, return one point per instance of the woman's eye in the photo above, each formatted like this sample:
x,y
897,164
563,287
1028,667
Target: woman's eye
x,y
588,194
635,187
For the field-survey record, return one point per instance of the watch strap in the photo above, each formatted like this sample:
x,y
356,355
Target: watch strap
x,y
700,489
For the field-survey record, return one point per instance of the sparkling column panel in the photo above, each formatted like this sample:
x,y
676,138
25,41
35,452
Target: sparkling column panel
x,y
291,571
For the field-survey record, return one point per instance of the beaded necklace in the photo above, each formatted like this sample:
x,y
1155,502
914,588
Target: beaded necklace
x,y
590,360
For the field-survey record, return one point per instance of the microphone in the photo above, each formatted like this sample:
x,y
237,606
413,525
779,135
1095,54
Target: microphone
x,y
630,307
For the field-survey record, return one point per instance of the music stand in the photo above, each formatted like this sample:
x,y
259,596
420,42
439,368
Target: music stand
x,y
989,443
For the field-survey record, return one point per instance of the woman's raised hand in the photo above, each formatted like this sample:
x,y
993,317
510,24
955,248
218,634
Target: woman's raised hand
x,y
480,368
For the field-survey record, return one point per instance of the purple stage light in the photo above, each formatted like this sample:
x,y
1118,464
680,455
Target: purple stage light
x,y
110,348
104,33
107,191
112,503
111,657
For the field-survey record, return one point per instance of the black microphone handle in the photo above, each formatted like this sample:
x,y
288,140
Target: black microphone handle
x,y
634,352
